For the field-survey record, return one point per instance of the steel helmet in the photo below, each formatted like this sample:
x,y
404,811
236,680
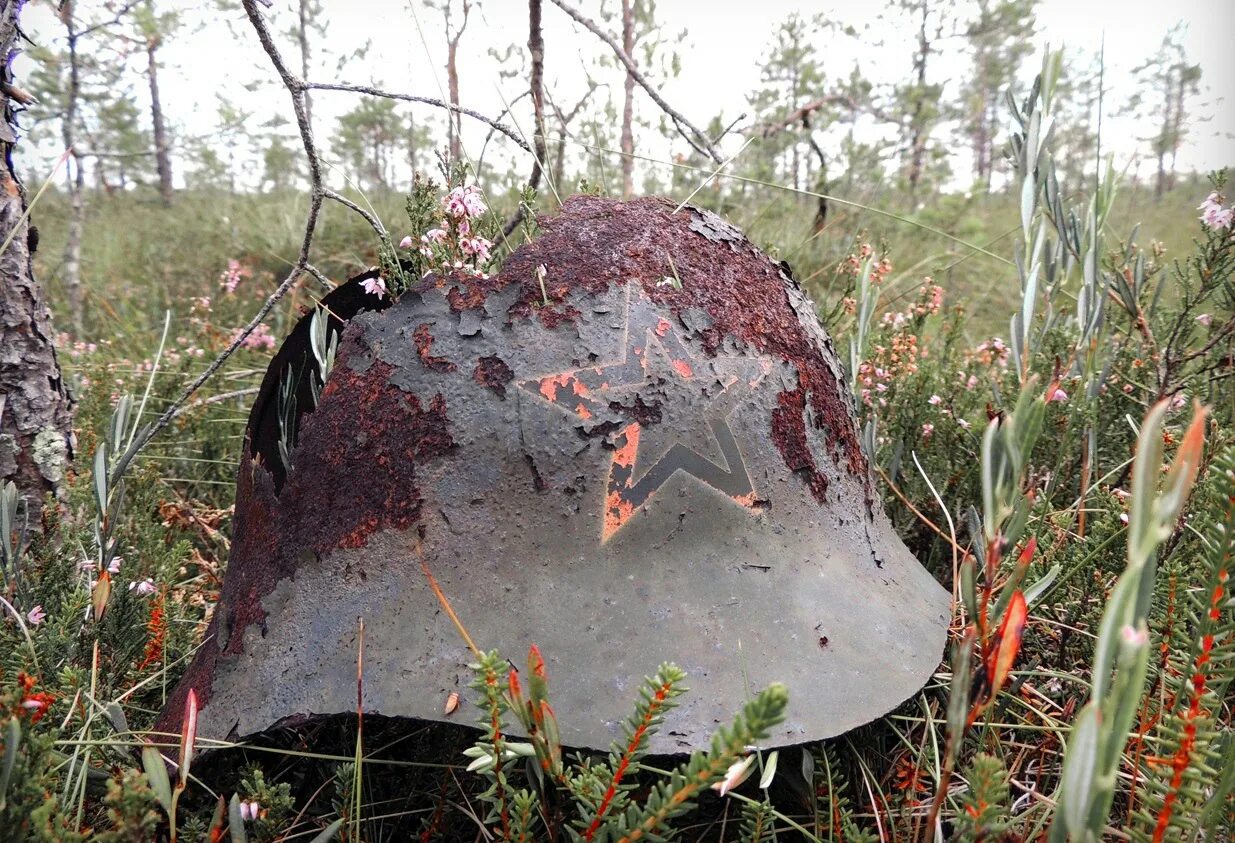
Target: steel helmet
x,y
644,451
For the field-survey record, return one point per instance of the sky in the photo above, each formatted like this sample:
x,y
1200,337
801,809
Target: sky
x,y
720,42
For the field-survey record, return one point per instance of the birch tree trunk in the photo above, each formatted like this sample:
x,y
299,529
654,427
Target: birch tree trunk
x,y
35,412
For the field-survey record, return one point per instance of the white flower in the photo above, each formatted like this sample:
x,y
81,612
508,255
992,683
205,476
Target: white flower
x,y
144,588
934,400
737,773
374,286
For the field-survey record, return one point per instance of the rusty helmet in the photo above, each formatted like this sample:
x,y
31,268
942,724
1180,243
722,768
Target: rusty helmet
x,y
634,443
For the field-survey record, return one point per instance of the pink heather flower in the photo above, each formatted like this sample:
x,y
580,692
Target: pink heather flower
x,y
1058,395
1205,319
1213,214
972,382
465,202
1123,518
1134,637
434,236
201,302
927,430
738,772
405,243
375,286
36,616
477,247
144,588
85,565
1222,219
230,278
259,338
1178,400
964,424
113,567
250,811
934,400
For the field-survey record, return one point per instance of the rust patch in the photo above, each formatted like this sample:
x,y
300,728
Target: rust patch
x,y
363,425
493,372
463,297
424,349
789,434
596,243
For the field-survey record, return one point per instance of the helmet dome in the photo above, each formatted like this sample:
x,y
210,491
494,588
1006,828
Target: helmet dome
x,y
645,452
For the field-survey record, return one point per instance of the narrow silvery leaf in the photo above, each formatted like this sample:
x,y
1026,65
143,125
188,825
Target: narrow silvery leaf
x,y
1145,472
100,476
235,821
1079,768
1027,191
1035,591
328,832
769,770
156,775
12,739
115,716
808,767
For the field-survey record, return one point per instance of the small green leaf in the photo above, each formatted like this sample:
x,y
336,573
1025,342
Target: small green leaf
x,y
235,822
12,740
1035,591
156,774
769,770
1079,769
328,832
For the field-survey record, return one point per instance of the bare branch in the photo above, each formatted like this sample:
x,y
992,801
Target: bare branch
x,y
124,10
797,116
688,130
377,92
373,221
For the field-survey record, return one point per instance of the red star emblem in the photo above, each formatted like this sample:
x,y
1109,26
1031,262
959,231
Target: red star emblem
x,y
684,403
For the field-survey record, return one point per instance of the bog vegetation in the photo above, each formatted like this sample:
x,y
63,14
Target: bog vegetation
x,y
1042,369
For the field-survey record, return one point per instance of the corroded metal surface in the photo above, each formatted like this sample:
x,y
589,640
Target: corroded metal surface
x,y
651,458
